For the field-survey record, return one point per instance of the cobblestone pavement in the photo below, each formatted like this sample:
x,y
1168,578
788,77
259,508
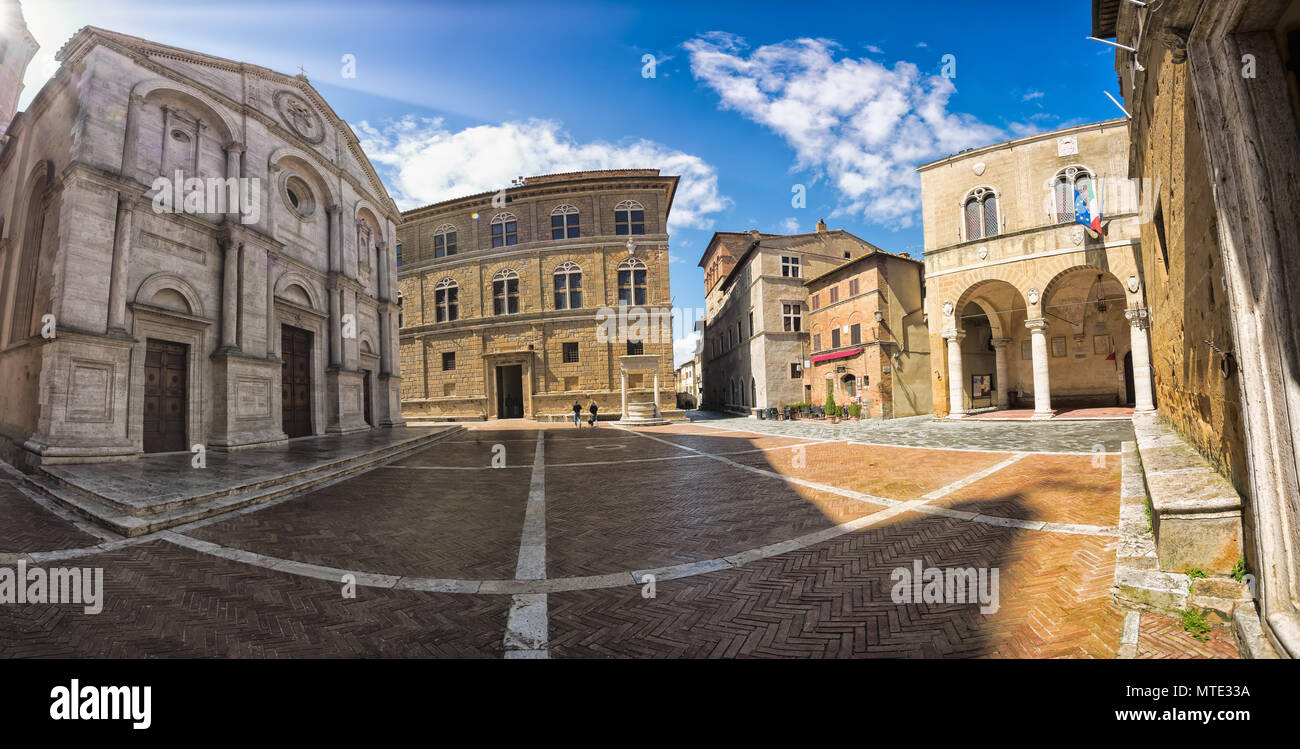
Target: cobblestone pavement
x,y
926,431
700,540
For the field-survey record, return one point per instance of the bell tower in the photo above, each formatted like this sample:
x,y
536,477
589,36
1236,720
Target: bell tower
x,y
17,48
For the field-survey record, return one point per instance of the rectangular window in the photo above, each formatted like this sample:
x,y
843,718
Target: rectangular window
x,y
817,342
855,334
816,301
504,233
570,352
399,254
835,294
791,318
751,322
635,348
853,287
835,338
448,361
629,222
789,266
796,371
564,226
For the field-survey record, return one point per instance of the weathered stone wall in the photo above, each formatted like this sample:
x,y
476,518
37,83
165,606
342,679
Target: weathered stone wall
x,y
1184,279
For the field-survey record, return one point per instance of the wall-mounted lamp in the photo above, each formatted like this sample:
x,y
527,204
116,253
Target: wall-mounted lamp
x,y
879,316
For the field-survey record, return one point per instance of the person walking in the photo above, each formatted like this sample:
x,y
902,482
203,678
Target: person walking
x,y
592,408
577,414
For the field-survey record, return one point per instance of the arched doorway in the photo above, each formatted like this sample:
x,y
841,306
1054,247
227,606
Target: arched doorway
x,y
1088,339
987,363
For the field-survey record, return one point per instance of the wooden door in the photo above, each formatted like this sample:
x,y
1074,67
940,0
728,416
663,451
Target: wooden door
x,y
166,399
295,381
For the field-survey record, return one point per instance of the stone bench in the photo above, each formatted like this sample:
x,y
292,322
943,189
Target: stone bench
x,y
1195,511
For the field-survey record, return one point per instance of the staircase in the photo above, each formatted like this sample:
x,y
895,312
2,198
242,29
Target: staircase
x,y
130,519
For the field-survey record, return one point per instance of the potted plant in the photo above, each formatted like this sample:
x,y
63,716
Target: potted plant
x,y
831,411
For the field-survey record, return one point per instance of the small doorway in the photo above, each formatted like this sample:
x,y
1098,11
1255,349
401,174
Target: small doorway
x,y
510,392
1130,392
365,396
166,400
295,381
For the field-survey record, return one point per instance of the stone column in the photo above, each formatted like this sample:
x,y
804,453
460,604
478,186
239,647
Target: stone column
x,y
230,294
381,263
1000,370
233,151
1038,328
385,337
272,329
656,390
336,329
1139,321
956,388
623,377
335,239
122,239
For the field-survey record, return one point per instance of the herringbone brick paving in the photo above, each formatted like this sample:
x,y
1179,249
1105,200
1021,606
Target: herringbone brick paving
x,y
164,601
459,524
833,600
828,600
25,526
1164,637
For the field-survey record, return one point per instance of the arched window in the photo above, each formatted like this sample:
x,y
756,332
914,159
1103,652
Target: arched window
x,y
444,241
980,213
446,300
632,282
629,218
564,222
568,286
505,230
505,292
1065,184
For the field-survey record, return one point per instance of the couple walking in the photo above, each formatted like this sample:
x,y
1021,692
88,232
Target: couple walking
x,y
577,414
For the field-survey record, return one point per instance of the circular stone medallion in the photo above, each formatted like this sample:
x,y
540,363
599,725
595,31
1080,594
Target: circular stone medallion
x,y
299,116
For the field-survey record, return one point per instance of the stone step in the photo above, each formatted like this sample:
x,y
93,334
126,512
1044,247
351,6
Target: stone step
x,y
134,521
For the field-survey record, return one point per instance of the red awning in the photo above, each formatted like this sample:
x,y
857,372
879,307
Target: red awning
x,y
837,355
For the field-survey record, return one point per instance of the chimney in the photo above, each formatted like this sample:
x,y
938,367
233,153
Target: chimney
x,y
821,226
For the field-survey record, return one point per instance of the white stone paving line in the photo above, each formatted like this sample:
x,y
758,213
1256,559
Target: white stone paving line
x,y
1128,641
603,462
527,626
525,590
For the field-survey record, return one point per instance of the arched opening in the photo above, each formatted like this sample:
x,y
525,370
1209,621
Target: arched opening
x,y
994,368
1087,339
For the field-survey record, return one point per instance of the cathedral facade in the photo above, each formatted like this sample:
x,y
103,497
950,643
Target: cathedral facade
x,y
193,251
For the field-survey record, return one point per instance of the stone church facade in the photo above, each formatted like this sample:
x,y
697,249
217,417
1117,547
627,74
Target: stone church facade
x,y
511,300
193,251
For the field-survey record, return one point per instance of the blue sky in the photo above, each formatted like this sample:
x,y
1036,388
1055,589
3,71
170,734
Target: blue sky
x,y
747,101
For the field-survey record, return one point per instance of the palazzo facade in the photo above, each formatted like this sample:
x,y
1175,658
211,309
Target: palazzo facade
x,y
1025,306
193,251
519,303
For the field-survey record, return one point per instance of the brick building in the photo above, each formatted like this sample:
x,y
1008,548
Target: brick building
x,y
1215,102
755,339
869,344
1026,306
130,324
508,298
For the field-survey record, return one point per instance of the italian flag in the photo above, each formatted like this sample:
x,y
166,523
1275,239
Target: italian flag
x,y
1087,209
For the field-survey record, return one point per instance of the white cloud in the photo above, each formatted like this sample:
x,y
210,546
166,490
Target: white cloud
x,y
424,162
921,45
863,126
789,226
684,348
1033,95
873,49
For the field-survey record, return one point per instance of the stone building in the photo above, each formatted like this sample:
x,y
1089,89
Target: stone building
x,y
1215,131
185,237
1026,306
511,300
869,344
755,339
688,384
